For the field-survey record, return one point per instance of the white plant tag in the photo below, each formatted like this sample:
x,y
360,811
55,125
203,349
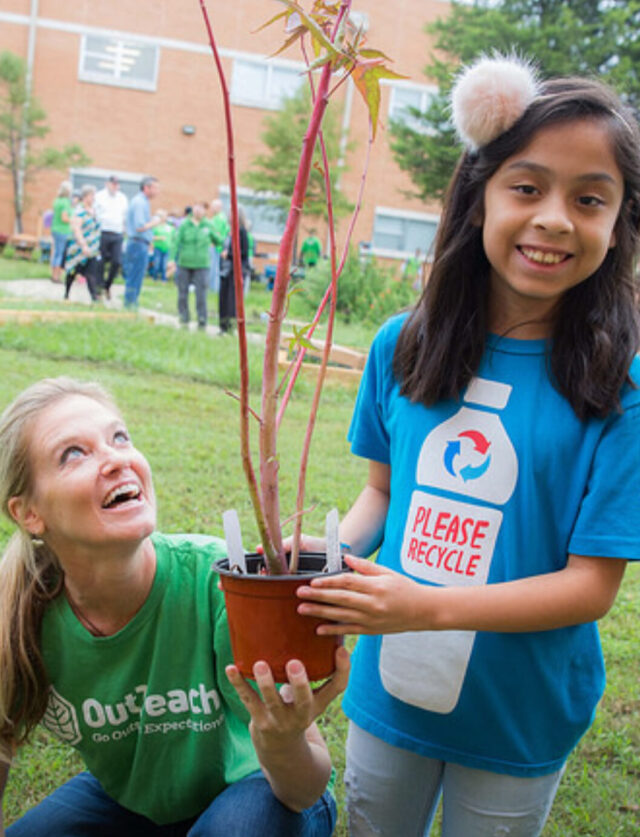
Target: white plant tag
x,y
233,537
334,560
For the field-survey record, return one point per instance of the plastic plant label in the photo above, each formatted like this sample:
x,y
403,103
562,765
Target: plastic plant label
x,y
334,561
233,537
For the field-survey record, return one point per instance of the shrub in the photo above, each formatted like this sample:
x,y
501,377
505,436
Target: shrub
x,y
9,251
367,291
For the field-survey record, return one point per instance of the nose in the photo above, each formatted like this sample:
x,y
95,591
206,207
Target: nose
x,y
553,216
114,459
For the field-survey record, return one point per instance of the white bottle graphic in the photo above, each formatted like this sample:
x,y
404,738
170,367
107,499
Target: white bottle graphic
x,y
450,542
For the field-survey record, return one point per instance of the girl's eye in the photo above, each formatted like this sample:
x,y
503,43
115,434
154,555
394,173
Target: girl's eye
x,y
590,200
121,436
525,189
72,452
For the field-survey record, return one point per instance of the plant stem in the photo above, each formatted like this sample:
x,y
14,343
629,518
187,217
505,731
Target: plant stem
x,y
275,561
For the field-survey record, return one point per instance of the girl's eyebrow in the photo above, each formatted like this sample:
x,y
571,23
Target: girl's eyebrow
x,y
537,168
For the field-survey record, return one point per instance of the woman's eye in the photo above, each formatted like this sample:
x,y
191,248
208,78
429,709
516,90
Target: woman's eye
x,y
72,452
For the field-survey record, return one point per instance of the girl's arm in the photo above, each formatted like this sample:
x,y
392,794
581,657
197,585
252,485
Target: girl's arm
x,y
376,600
291,751
4,774
362,527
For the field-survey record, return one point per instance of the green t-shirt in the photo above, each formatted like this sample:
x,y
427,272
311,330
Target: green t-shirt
x,y
150,708
192,244
220,228
61,205
163,237
310,251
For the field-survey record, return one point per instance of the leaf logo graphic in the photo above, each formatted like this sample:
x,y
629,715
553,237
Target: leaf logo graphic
x,y
61,719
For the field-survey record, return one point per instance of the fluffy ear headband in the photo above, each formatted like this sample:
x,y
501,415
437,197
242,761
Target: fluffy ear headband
x,y
490,96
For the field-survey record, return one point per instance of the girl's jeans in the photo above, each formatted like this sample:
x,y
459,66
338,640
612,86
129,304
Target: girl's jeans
x,y
393,792
80,808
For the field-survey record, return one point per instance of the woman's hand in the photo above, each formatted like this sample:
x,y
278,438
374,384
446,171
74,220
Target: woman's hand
x,y
279,715
292,753
371,600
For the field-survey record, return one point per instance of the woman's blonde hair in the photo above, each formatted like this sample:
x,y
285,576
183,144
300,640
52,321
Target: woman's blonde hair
x,y
30,574
65,189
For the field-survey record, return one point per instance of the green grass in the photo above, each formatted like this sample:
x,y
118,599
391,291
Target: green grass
x,y
23,269
171,387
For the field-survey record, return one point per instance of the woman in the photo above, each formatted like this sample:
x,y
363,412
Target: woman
x,y
60,229
83,251
115,638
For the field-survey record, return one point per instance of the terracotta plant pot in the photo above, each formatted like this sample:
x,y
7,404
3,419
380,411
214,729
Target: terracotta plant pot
x,y
264,623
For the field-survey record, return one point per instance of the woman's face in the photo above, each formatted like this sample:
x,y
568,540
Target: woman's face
x,y
91,488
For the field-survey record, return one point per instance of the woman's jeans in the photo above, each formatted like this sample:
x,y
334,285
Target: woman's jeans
x,y
80,808
393,792
60,241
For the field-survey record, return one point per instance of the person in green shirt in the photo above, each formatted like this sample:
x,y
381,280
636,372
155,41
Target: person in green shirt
x,y
60,229
162,242
311,250
192,257
115,638
220,229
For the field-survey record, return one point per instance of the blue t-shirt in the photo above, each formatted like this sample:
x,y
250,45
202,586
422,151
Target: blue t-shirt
x,y
500,485
139,214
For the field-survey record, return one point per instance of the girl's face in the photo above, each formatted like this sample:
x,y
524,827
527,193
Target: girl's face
x,y
549,220
92,489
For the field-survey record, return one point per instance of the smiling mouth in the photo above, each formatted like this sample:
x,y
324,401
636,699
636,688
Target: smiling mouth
x,y
543,256
121,494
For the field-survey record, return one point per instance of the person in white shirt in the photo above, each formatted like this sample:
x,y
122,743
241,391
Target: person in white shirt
x,y
111,209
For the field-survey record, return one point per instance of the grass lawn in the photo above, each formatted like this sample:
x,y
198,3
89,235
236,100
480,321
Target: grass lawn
x,y
171,386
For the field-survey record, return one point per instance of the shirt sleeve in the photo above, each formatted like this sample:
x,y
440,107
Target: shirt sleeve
x,y
368,433
608,524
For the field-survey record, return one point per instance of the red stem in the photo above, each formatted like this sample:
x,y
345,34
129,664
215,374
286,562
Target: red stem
x,y
274,560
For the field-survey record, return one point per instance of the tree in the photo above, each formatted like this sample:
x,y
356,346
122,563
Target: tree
x,y
275,171
588,37
22,124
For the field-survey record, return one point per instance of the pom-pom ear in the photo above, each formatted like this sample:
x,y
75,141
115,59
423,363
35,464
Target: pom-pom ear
x,y
490,96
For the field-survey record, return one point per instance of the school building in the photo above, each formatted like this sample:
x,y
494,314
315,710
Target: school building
x,y
133,82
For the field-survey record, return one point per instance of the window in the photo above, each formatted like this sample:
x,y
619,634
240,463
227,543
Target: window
x,y
407,96
266,220
259,83
398,234
106,60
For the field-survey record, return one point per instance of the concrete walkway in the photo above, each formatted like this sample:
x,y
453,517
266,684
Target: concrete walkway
x,y
44,290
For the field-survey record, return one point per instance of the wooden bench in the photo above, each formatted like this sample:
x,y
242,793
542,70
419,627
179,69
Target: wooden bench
x,y
344,363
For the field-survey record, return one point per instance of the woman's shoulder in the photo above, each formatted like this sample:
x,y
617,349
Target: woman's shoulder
x,y
197,548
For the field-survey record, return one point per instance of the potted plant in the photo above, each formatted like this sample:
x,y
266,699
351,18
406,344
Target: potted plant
x,y
334,50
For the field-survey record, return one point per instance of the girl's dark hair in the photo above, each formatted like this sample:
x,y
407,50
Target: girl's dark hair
x,y
595,332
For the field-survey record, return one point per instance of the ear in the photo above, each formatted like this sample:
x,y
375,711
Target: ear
x,y
25,515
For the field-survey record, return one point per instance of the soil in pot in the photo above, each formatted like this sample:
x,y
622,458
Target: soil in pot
x,y
264,623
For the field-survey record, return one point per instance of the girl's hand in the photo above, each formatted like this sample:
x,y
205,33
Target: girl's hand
x,y
307,543
372,600
281,716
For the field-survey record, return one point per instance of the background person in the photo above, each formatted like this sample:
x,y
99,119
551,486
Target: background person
x,y
500,420
123,630
60,229
139,227
192,243
227,294
111,206
219,224
163,241
83,251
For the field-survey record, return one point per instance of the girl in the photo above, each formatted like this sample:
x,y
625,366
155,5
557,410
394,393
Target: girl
x,y
500,419
116,639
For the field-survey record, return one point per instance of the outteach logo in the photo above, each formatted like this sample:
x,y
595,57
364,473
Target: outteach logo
x,y
61,719
467,456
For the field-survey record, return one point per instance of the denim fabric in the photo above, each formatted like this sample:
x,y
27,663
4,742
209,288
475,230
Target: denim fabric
x,y
160,259
214,270
80,808
134,268
59,247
